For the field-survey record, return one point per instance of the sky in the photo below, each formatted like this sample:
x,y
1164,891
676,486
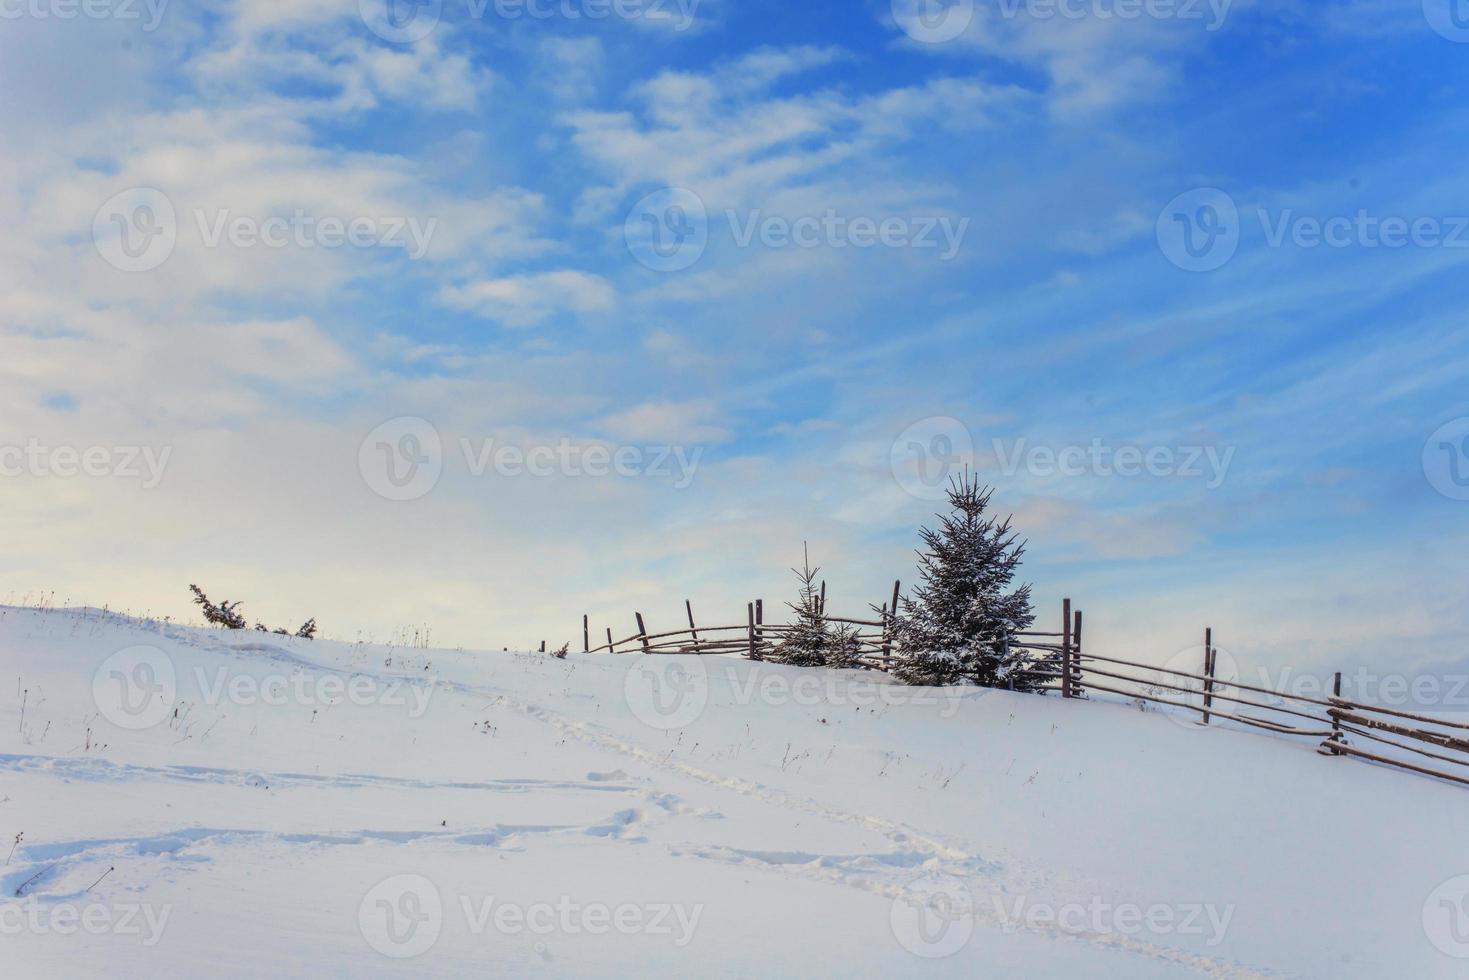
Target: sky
x,y
461,318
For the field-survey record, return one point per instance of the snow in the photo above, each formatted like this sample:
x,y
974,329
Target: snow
x,y
303,808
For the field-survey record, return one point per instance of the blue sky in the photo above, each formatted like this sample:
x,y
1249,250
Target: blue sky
x,y
1063,154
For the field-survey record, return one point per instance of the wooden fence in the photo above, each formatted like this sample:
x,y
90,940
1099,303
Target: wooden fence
x,y
1060,665
757,639
1420,743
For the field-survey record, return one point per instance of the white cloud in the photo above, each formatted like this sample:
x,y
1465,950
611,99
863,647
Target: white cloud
x,y
1094,63
804,427
723,136
269,47
570,68
681,423
525,300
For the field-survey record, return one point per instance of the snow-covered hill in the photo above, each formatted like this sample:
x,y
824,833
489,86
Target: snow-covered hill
x,y
199,803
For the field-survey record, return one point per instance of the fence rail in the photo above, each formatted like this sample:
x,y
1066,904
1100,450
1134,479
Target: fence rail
x,y
1334,720
1062,666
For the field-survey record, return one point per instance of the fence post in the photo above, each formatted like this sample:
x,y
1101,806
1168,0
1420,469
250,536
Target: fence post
x,y
1208,671
610,648
642,632
750,612
1005,655
890,620
586,634
822,607
1335,718
1078,689
689,608
543,646
1065,648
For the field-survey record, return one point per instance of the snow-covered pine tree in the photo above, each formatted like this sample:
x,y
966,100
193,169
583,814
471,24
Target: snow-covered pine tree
x,y
224,614
227,615
955,626
812,640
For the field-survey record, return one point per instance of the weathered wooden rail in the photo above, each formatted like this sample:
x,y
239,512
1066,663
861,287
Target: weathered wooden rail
x,y
1333,721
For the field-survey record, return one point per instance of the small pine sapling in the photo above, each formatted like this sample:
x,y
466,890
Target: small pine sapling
x,y
224,614
812,640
